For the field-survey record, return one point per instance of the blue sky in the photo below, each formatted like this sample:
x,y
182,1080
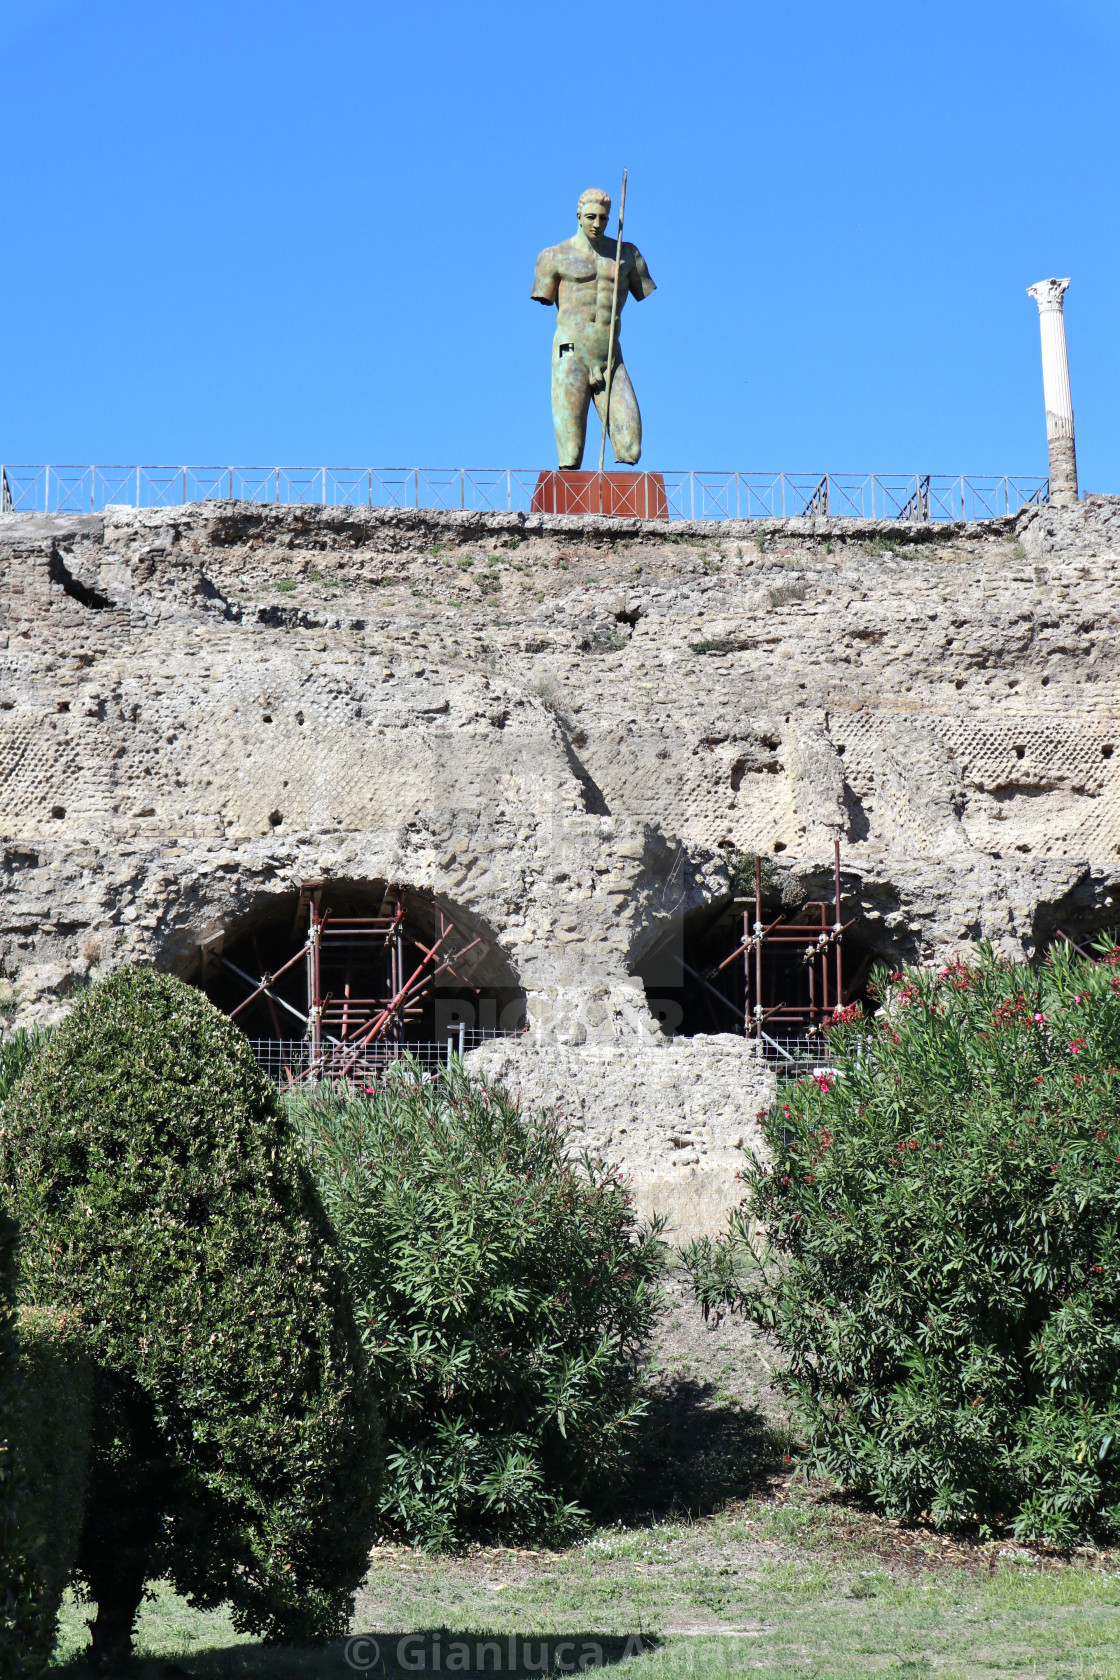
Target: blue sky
x,y
281,233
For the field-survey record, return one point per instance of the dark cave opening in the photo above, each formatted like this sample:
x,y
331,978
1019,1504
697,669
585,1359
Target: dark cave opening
x,y
696,983
373,939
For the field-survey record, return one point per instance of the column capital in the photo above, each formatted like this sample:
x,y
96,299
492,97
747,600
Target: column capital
x,y
1048,294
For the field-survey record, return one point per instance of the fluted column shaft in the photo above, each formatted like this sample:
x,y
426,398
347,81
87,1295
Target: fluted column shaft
x,y
1049,295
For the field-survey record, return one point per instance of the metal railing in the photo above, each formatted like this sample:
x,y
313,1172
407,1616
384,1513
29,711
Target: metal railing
x,y
792,1058
290,1062
690,495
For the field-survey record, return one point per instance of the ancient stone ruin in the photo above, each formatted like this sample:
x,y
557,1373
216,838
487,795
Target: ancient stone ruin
x,y
569,738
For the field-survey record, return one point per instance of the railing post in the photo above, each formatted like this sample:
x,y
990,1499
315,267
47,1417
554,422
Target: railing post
x,y
184,486
323,489
47,490
370,474
692,495
92,479
278,486
416,487
738,515
962,498
462,488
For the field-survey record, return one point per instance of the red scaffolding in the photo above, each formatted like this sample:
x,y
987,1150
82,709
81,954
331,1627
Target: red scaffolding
x,y
343,1025
819,944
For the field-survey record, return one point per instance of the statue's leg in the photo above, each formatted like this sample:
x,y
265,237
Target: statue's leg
x,y
571,394
626,420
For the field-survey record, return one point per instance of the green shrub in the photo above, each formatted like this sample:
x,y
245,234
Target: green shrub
x,y
50,1452
16,1052
44,1444
741,873
20,1622
502,1292
234,1434
935,1245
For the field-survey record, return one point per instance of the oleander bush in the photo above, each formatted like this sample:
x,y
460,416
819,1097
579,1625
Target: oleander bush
x,y
503,1292
933,1240
163,1197
16,1052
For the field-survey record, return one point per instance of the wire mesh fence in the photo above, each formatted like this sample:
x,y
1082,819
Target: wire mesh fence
x,y
914,497
290,1062
793,1058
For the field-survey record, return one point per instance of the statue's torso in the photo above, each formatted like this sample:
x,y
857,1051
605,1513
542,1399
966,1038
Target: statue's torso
x,y
587,282
579,278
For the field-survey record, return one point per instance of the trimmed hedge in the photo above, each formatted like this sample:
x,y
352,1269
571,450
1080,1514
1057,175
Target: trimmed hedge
x,y
20,1621
44,1445
235,1434
935,1245
51,1438
503,1292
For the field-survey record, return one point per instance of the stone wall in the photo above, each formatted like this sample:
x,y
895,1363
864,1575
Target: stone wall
x,y
559,729
673,1116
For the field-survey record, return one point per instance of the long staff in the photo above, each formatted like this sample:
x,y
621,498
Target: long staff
x,y
610,351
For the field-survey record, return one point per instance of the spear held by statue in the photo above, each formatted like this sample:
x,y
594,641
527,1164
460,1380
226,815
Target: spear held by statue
x,y
610,343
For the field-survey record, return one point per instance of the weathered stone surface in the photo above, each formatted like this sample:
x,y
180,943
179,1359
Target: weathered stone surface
x,y
556,727
674,1116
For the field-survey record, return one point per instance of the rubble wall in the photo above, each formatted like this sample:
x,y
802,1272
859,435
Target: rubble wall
x,y
559,728
674,1116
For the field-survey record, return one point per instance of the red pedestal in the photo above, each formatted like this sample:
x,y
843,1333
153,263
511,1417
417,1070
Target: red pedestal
x,y
620,495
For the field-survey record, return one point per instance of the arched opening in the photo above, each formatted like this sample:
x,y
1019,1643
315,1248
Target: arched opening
x,y
710,972
341,978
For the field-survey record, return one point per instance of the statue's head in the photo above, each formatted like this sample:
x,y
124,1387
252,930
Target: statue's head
x,y
593,212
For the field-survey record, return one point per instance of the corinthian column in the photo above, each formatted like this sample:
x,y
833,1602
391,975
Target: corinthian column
x,y
1048,294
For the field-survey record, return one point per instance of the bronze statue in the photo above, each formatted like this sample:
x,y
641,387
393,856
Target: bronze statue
x,y
578,277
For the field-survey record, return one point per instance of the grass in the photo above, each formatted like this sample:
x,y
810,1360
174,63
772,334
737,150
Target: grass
x,y
607,641
717,644
777,1588
784,593
721,1563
